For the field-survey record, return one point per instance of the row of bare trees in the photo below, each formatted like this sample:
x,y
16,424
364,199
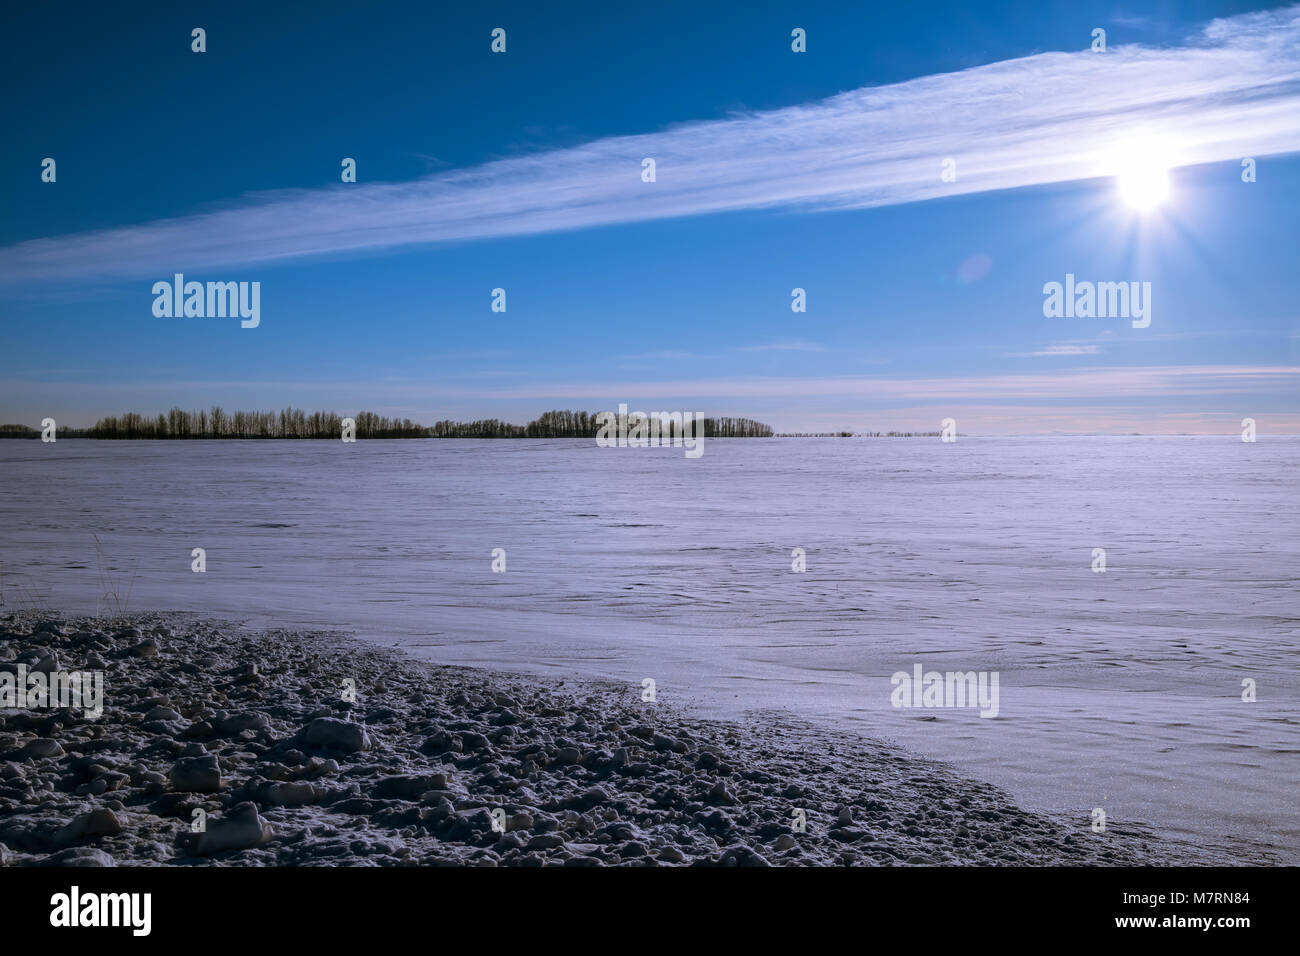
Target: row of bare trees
x,y
216,422
736,428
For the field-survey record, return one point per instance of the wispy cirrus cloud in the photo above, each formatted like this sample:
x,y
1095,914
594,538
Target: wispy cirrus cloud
x,y
1090,383
1161,381
665,355
1232,90
1052,351
789,345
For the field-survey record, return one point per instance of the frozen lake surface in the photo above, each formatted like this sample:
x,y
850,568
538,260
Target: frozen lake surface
x,y
1119,690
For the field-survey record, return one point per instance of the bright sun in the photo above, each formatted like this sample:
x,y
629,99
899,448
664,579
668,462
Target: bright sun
x,y
1142,174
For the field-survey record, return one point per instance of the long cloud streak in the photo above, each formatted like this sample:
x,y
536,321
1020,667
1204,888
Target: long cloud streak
x,y
1232,91
1152,381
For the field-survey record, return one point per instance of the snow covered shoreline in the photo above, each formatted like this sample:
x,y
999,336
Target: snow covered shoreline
x,y
223,746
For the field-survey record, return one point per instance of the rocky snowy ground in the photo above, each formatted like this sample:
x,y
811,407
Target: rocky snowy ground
x,y
255,731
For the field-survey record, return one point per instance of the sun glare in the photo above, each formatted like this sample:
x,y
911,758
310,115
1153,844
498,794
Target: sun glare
x,y
1142,174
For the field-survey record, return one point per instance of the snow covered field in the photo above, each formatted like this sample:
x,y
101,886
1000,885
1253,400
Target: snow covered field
x,y
1120,690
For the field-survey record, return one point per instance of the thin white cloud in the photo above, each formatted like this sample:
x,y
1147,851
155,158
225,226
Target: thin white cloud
x,y
1055,350
790,345
1154,381
1231,91
1116,382
666,355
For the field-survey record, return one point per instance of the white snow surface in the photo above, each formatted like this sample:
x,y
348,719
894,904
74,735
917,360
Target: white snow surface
x,y
1120,690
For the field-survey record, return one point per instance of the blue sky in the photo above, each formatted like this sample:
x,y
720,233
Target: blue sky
x,y
776,170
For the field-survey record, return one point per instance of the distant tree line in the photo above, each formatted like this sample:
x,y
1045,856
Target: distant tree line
x,y
736,428
295,423
570,424
483,428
